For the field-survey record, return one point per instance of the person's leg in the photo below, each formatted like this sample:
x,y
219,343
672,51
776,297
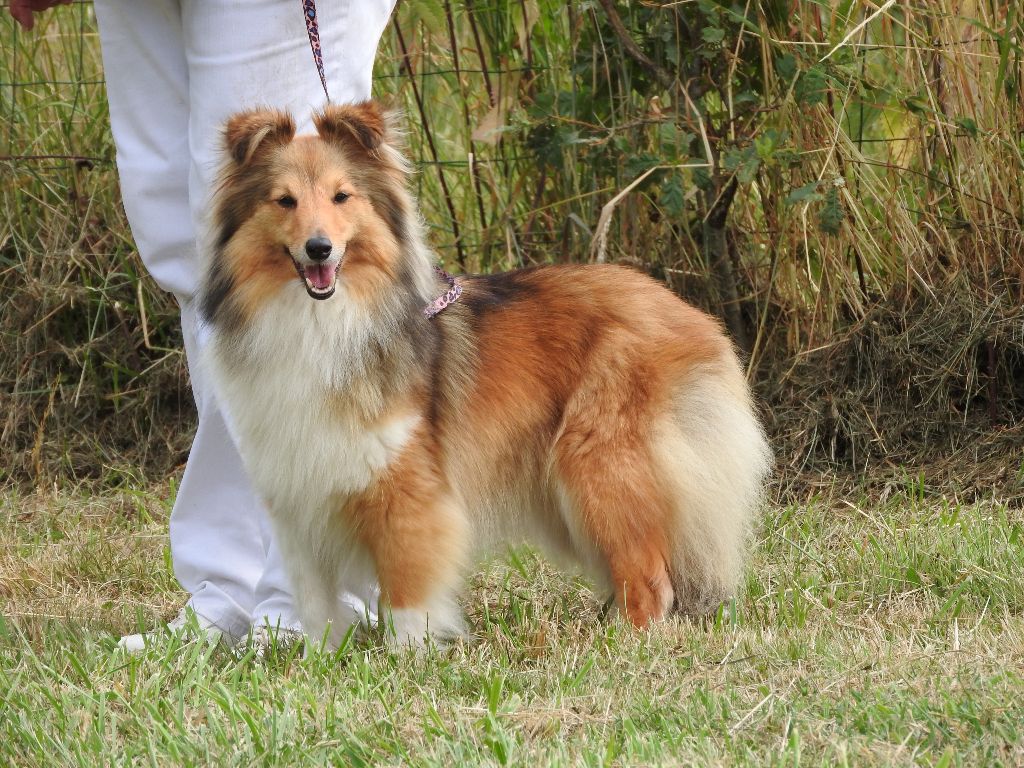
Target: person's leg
x,y
257,54
216,543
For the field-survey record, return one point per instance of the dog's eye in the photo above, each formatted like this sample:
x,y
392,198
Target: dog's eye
x,y
286,201
341,197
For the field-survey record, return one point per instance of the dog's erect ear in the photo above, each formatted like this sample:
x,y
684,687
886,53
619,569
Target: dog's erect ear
x,y
362,125
246,132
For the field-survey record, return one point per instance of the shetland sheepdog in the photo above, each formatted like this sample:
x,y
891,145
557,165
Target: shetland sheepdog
x,y
584,409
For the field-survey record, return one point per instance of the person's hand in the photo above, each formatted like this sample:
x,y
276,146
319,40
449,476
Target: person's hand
x,y
22,10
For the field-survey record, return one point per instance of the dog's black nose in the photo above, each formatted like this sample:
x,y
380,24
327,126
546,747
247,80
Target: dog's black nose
x,y
318,248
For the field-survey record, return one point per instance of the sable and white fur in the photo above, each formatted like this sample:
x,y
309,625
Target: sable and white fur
x,y
584,409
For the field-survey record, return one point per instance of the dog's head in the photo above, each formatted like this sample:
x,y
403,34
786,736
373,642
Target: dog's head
x,y
306,210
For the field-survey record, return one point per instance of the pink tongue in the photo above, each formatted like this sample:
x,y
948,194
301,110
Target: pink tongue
x,y
320,275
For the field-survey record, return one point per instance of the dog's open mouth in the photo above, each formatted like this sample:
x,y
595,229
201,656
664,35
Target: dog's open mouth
x,y
321,278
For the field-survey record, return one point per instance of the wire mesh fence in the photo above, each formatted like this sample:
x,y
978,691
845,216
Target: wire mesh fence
x,y
802,168
510,79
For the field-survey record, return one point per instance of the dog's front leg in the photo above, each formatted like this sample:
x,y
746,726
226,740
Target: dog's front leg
x,y
311,557
417,536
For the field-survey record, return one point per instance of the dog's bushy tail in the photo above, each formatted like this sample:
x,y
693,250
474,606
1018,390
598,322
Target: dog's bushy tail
x,y
715,456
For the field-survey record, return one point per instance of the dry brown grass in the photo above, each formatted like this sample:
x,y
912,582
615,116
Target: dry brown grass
x,y
886,341
868,634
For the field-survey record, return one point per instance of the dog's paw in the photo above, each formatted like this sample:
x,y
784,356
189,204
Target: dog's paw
x,y
406,628
264,640
417,628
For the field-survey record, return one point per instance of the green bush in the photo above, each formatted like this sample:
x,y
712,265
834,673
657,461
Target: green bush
x,y
841,182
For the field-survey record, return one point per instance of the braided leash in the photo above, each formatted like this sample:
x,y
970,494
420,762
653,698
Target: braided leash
x,y
313,30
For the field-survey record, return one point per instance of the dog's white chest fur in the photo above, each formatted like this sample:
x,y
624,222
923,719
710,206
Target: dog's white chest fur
x,y
303,447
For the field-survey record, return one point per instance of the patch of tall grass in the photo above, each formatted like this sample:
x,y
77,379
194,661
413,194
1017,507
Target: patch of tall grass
x,y
842,182
91,380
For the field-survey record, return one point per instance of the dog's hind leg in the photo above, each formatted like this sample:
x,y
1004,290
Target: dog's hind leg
x,y
615,512
613,505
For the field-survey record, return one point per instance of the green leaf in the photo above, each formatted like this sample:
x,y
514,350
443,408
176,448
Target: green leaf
x,y
1007,40
832,214
811,87
915,105
431,13
785,67
713,35
640,162
840,18
913,577
672,198
968,126
673,141
702,179
708,8
808,193
767,144
744,163
748,171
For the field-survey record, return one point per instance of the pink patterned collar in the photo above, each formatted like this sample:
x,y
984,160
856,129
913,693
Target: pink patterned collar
x,y
448,297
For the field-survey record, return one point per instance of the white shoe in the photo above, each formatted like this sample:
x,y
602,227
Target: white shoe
x,y
187,622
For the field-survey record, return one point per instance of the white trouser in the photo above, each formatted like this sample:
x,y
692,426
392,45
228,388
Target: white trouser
x,y
175,70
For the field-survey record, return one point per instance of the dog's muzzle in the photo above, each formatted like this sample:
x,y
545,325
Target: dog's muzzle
x,y
318,267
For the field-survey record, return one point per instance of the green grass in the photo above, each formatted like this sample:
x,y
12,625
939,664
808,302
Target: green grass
x,y
868,634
